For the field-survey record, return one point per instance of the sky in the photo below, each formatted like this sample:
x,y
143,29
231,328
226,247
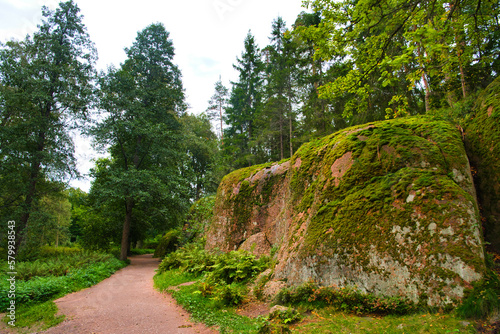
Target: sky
x,y
207,36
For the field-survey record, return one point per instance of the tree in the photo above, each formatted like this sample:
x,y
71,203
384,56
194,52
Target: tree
x,y
58,208
201,146
217,104
416,44
142,102
46,85
244,105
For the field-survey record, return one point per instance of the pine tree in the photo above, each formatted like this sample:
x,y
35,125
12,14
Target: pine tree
x,y
217,105
245,103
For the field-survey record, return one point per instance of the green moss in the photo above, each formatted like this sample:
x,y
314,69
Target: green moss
x,y
389,162
483,147
239,194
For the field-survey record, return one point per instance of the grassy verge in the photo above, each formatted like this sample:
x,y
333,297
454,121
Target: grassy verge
x,y
219,288
328,321
53,275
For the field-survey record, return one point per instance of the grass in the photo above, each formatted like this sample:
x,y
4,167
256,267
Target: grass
x,y
316,320
328,321
55,273
40,316
212,313
322,310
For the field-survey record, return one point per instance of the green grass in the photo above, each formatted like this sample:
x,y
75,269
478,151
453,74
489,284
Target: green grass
x,y
203,309
212,313
40,316
55,273
328,321
172,278
141,251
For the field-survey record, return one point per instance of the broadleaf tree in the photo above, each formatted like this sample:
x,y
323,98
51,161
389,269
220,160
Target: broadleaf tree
x,y
141,103
46,86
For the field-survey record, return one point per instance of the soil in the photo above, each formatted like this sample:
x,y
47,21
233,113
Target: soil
x,y
126,302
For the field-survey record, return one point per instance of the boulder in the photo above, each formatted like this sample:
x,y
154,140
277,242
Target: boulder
x,y
482,138
388,207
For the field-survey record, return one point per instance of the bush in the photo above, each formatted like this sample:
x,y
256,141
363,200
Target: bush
x,y
191,258
229,294
58,263
287,316
168,243
236,267
345,299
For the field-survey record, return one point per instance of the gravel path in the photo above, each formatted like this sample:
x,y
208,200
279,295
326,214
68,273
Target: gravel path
x,y
125,303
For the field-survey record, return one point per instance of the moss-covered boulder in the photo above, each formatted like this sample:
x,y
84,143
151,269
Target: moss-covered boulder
x,y
482,138
388,207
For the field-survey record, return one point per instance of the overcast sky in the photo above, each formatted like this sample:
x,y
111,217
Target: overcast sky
x,y
207,35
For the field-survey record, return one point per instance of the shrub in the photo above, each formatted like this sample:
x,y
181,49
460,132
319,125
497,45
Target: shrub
x,y
236,266
345,299
286,316
229,294
168,243
191,258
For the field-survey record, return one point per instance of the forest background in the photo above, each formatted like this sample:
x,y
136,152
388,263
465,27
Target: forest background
x,y
342,64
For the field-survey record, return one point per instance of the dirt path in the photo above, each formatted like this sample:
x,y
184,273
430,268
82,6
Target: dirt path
x,y
124,303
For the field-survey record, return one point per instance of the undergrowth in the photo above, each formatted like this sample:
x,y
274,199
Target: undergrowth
x,y
346,299
56,273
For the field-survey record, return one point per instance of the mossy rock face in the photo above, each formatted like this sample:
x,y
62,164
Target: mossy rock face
x,y
250,201
388,207
483,146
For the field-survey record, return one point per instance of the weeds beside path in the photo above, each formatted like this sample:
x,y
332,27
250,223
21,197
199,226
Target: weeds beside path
x,y
124,303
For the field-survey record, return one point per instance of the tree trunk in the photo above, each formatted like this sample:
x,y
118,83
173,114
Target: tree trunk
x,y
31,193
281,135
221,132
129,205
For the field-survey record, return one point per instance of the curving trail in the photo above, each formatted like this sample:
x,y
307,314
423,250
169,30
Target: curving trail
x,y
125,303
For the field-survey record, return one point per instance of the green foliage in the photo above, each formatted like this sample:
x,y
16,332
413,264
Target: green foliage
x,y
236,267
212,313
144,181
344,299
168,243
288,316
198,219
141,251
228,294
244,105
191,258
43,316
58,276
46,86
483,300
406,51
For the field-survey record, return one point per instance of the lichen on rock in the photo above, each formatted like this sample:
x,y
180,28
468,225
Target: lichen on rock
x,y
388,207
